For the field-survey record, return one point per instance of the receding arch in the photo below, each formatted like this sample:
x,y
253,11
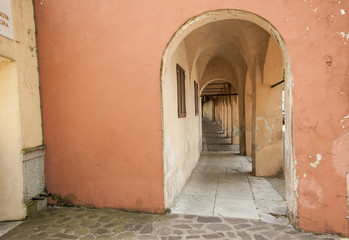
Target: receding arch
x,y
234,89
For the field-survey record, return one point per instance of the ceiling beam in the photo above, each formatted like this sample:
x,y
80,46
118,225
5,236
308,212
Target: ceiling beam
x,y
218,95
217,84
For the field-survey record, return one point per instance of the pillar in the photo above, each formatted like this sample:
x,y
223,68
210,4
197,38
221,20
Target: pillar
x,y
248,115
268,116
236,127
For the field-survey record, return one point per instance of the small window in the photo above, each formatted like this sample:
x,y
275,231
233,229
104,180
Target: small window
x,y
181,92
196,98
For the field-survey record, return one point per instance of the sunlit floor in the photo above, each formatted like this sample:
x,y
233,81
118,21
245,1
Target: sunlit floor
x,y
222,185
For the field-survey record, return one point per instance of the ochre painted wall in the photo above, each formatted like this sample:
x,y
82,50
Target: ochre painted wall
x,y
269,152
100,74
20,113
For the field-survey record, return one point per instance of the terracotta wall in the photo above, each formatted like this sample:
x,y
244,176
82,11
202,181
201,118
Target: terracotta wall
x,y
100,67
101,103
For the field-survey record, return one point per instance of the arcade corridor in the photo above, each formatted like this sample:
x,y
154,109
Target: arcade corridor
x,y
222,184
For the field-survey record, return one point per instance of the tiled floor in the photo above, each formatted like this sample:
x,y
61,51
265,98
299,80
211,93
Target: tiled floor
x,y
222,185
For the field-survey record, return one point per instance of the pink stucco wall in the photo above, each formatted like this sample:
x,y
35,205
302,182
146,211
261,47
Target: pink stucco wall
x,y
100,81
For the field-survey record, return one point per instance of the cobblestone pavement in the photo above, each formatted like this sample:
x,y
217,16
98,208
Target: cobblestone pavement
x,y
85,224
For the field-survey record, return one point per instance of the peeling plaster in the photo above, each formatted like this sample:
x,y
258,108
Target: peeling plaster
x,y
344,36
269,128
316,163
342,12
342,121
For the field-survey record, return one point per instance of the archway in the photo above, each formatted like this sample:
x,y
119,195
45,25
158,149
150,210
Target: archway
x,y
239,55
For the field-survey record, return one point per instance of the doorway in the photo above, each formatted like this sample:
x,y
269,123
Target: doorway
x,y
247,52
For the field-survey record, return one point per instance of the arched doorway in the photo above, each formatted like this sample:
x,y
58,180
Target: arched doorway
x,y
241,47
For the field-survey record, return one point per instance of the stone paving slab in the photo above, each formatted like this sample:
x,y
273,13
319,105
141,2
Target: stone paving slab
x,y
232,207
215,135
222,185
7,226
218,141
226,148
56,223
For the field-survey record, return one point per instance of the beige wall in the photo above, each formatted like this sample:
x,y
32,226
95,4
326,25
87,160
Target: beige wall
x,y
182,144
207,109
269,146
20,113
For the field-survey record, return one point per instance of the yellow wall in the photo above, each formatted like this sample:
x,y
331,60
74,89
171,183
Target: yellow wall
x,y
11,177
20,112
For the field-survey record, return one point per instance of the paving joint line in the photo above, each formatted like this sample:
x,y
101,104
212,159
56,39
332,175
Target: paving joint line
x,y
254,198
215,196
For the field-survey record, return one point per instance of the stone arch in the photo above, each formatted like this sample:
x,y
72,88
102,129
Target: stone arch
x,y
231,14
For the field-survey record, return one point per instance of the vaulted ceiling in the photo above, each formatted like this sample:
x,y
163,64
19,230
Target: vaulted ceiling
x,y
226,50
